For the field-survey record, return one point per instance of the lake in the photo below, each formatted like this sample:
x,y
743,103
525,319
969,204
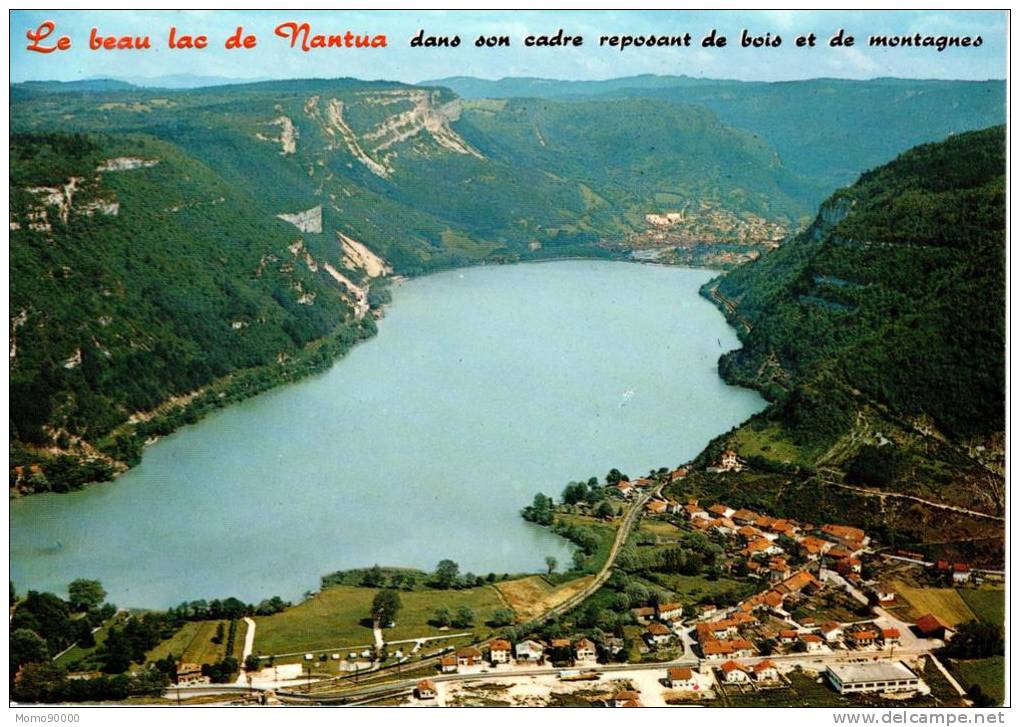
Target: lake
x,y
483,387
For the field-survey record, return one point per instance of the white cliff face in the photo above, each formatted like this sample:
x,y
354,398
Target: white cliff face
x,y
308,221
375,148
287,138
62,198
336,128
357,256
123,164
424,115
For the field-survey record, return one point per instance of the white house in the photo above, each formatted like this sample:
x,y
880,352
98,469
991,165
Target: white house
x,y
670,611
499,651
680,677
585,650
814,642
657,634
765,671
734,672
529,651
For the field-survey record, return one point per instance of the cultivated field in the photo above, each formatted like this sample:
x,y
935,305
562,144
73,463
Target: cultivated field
x,y
532,596
945,603
988,604
193,643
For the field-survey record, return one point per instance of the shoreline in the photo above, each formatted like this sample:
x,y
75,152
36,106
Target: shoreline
x,y
129,426
334,360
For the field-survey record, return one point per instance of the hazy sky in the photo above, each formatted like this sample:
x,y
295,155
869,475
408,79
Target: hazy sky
x,y
274,58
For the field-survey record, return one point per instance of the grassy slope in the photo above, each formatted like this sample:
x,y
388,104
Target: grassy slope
x,y
337,618
989,674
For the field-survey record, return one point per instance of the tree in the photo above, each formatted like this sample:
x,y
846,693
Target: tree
x,y
218,637
385,606
442,617
373,577
579,559
875,466
550,563
978,697
502,617
540,510
39,682
465,617
251,663
604,510
446,573
84,594
27,647
976,640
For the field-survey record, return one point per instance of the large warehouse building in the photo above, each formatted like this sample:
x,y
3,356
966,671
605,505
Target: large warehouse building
x,y
879,676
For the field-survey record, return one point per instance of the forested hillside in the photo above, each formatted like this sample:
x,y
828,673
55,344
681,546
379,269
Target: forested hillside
x,y
173,250
138,274
880,334
826,130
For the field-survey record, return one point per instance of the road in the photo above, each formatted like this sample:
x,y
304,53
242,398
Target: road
x,y
393,687
815,661
930,503
622,533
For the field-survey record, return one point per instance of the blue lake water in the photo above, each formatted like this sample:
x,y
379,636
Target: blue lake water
x,y
483,387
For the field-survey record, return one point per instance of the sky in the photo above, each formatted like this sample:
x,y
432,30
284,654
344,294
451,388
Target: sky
x,y
274,58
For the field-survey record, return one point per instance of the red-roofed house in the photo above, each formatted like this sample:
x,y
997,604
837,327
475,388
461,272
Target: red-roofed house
x,y
426,689
853,538
861,638
830,631
720,510
469,656
728,461
669,611
891,637
694,510
813,642
657,634
656,507
680,677
743,516
499,651
584,650
933,627
734,672
765,671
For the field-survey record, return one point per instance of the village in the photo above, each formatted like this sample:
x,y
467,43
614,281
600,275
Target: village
x,y
824,612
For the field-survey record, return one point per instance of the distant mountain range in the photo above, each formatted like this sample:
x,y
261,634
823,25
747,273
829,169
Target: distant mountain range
x,y
171,81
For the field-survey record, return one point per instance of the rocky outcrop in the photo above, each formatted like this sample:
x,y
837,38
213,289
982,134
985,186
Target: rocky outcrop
x,y
62,198
359,257
426,114
288,135
375,148
123,164
308,221
339,130
360,294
